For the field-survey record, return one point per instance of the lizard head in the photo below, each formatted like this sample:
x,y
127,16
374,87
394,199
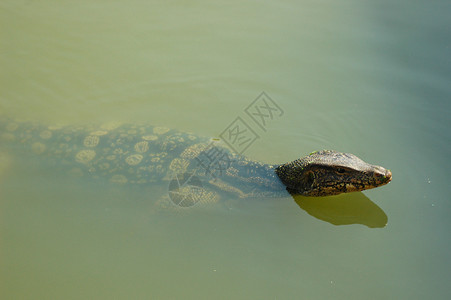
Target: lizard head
x,y
328,172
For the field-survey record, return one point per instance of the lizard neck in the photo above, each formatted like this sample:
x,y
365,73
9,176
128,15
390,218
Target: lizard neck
x,y
254,179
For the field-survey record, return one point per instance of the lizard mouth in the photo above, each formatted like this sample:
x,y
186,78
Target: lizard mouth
x,y
388,176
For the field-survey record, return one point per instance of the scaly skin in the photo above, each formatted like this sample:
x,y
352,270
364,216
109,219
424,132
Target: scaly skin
x,y
140,154
328,172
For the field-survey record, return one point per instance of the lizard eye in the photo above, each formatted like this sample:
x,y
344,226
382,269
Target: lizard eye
x,y
340,171
311,177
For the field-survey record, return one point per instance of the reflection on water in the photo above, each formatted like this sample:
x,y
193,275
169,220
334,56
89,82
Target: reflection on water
x,y
345,209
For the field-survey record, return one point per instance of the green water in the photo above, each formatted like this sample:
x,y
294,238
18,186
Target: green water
x,y
371,78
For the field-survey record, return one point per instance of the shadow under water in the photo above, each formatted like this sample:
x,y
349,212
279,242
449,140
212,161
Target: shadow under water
x,y
344,209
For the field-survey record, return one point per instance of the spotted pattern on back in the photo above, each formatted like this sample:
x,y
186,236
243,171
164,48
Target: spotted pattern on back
x,y
121,153
130,154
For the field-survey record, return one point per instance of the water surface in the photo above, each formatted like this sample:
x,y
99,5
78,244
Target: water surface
x,y
362,77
